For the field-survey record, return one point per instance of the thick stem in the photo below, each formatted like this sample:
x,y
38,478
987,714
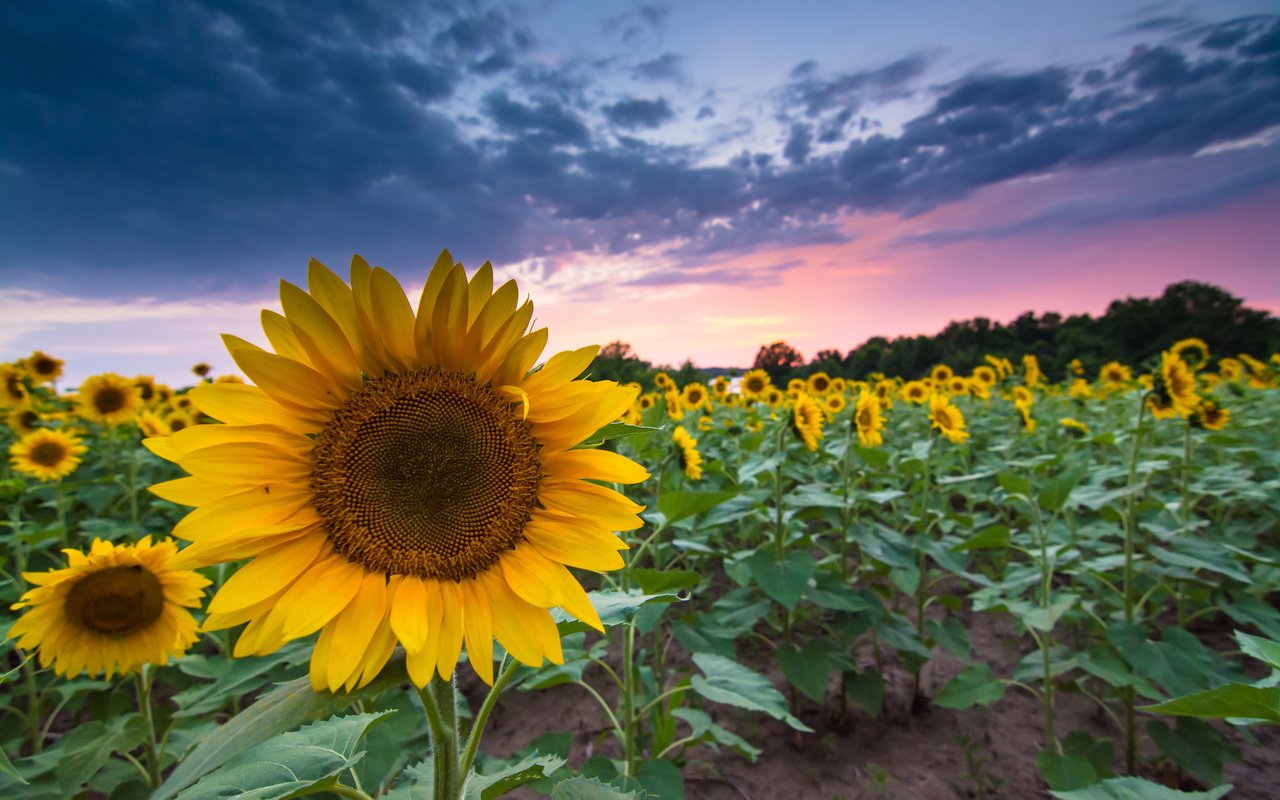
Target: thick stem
x,y
151,751
507,672
628,699
439,700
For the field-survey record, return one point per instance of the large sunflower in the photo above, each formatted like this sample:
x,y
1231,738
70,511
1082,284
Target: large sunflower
x,y
110,610
109,398
402,476
46,454
1176,384
755,383
868,420
43,367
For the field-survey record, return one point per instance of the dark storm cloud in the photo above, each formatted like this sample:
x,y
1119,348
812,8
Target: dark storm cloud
x,y
158,140
639,113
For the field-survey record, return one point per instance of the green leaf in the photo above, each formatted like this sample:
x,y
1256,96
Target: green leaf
x,y
703,729
1131,788
1195,746
1259,648
526,770
614,608
282,709
1043,618
614,430
728,682
809,668
417,782
784,581
1014,484
993,536
951,635
662,779
7,768
580,788
675,506
976,685
1239,700
234,677
1065,771
867,689
289,763
664,581
79,755
1055,491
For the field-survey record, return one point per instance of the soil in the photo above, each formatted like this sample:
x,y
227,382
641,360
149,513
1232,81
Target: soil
x,y
899,755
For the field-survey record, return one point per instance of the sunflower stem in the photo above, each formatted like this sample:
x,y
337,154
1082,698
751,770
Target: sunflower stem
x,y
506,673
133,484
922,564
142,685
439,700
60,507
628,698
1127,693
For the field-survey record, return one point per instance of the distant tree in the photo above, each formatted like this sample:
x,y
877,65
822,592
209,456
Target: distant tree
x,y
616,361
779,359
687,374
829,361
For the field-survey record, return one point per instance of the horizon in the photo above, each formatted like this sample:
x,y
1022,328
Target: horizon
x,y
818,174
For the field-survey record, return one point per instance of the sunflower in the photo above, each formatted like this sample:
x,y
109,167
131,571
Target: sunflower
x,y
22,420
941,373
46,454
1028,421
1076,366
958,385
1080,389
109,398
201,369
1176,384
868,420
754,384
1193,351
647,401
914,392
1115,374
1231,369
819,383
13,391
806,420
1031,374
1023,396
663,381
151,424
42,367
839,386
833,404
795,386
947,419
1210,416
675,405
1001,365
1160,407
146,386
720,385
773,397
706,423
402,476
985,375
885,390
1074,426
110,610
177,420
694,395
687,452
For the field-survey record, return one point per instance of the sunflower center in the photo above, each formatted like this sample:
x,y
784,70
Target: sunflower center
x,y
48,454
426,473
108,399
116,601
44,366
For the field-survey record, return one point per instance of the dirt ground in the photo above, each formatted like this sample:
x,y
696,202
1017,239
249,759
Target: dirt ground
x,y
898,756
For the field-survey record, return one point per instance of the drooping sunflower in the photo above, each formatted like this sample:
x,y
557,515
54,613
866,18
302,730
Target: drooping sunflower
x,y
1002,366
1024,413
754,384
110,610
46,454
1176,384
868,419
806,420
13,391
1080,389
402,476
1210,416
1193,351
108,398
944,416
706,423
1076,366
1031,373
1074,427
687,452
42,367
819,383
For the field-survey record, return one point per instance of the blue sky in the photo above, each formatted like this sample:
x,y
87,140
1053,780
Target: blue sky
x,y
817,171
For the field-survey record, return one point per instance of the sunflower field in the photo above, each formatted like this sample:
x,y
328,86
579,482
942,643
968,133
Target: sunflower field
x,y
406,528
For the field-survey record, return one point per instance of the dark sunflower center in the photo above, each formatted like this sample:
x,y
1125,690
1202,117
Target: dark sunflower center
x,y
14,386
108,399
116,601
48,454
426,473
44,366
146,391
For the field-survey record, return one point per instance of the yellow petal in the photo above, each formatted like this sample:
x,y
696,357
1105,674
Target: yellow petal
x,y
319,595
266,575
477,628
479,290
448,595
588,501
561,368
280,335
600,465
391,309
354,627
409,611
521,358
320,336
294,385
241,404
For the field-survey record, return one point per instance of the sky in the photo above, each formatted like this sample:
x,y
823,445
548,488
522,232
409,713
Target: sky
x,y
696,179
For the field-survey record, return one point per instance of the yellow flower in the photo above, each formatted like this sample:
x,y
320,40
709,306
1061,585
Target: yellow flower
x,y
885,390
806,420
1028,421
675,406
177,420
146,385
687,452
401,475
111,610
773,397
1193,351
42,367
706,423
1260,375
1002,366
648,401
694,396
1023,396
941,373
986,376
46,454
22,420
228,378
947,419
1231,369
13,391
1210,416
833,404
839,386
720,385
201,369
1031,373
1080,389
151,424
1177,384
108,398
914,392
958,385
663,381
1074,426
795,386
1161,408
868,420
819,383
755,383
1115,374
1076,366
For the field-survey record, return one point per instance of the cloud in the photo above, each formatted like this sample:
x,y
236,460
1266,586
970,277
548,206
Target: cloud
x,y
638,113
666,67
